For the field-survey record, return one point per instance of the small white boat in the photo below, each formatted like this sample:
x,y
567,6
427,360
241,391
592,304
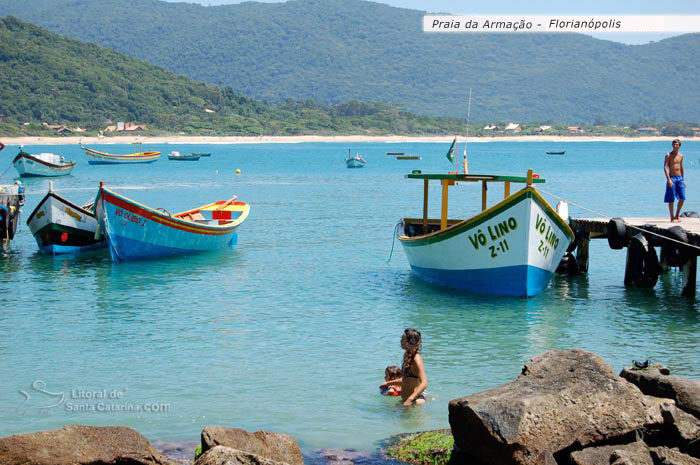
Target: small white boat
x,y
60,226
355,162
42,164
175,155
511,248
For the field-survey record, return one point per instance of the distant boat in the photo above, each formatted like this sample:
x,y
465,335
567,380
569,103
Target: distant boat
x,y
42,164
395,153
355,162
203,154
174,155
102,158
135,231
60,226
11,199
556,153
408,157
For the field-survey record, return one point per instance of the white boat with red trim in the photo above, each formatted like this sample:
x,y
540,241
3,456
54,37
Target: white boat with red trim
x,y
136,231
42,164
511,248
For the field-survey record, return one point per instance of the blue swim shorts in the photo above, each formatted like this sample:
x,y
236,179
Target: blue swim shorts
x,y
675,191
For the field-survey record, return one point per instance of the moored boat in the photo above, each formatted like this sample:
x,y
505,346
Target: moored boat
x,y
355,162
175,155
11,199
408,157
61,226
135,231
203,154
511,248
41,164
562,152
96,157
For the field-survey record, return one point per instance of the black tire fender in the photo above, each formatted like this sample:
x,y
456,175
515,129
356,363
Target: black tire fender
x,y
643,262
617,233
676,254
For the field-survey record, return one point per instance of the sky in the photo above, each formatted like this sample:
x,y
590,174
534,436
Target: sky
x,y
542,7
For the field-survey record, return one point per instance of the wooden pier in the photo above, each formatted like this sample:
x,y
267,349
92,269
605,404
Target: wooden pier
x,y
679,245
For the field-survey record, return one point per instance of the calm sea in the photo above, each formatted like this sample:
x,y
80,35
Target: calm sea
x,y
292,330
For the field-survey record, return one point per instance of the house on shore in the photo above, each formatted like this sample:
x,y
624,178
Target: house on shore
x,y
512,128
129,127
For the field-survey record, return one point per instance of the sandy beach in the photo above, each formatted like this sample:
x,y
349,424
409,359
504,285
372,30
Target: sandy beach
x,y
178,139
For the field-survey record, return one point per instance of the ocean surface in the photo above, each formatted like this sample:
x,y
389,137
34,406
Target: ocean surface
x,y
291,331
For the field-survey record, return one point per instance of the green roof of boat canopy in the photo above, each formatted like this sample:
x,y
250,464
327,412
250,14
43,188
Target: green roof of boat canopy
x,y
472,177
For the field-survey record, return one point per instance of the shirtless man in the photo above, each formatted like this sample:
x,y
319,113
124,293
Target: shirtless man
x,y
675,180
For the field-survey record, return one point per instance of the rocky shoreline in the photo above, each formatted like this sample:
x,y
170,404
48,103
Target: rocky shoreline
x,y
567,407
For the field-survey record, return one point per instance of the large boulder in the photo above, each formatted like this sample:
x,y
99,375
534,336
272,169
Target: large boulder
x,y
564,400
274,446
220,455
654,382
78,444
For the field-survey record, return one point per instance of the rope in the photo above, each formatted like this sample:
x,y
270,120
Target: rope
x,y
623,221
392,242
5,172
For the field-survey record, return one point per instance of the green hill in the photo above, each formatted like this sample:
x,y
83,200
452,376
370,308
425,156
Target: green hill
x,y
48,78
337,50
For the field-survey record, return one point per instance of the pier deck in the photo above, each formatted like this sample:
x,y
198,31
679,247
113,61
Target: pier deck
x,y
598,227
639,235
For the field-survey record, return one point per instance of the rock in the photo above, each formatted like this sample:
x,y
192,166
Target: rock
x,y
563,399
277,447
654,382
636,453
221,455
684,427
666,456
78,444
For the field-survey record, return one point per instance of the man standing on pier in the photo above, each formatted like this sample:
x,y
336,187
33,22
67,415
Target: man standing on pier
x,y
675,180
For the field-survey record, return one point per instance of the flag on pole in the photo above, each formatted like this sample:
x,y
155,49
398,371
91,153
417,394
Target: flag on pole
x,y
451,153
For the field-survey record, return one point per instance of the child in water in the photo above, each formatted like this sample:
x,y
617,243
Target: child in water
x,y
392,386
413,378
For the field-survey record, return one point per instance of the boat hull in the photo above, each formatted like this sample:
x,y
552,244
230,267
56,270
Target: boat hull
x,y
512,248
29,166
136,232
59,226
102,158
355,163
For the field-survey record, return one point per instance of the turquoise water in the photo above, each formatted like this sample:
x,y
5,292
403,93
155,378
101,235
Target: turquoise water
x,y
292,330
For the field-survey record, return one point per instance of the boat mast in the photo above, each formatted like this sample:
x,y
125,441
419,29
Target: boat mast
x,y
469,111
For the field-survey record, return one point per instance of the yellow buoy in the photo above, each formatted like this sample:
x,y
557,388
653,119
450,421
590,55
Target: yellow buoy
x,y
238,171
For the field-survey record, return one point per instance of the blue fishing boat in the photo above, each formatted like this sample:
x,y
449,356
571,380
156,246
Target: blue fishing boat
x,y
135,231
355,162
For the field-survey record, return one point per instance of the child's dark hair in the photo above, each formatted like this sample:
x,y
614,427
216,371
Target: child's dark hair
x,y
413,344
392,372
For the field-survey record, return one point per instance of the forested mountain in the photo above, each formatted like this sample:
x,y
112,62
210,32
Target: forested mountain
x,y
45,77
337,50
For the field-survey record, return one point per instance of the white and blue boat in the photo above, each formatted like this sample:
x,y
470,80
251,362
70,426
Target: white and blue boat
x,y
355,162
135,231
42,164
59,226
511,248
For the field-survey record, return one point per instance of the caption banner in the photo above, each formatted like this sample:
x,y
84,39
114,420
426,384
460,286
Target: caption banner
x,y
611,23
